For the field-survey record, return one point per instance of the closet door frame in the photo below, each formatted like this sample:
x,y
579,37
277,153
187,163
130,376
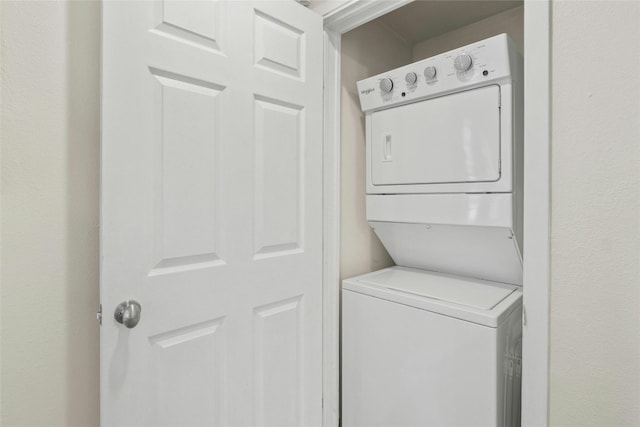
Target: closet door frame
x,y
342,16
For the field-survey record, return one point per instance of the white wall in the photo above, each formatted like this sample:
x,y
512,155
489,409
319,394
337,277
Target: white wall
x,y
50,163
510,21
368,50
49,133
595,218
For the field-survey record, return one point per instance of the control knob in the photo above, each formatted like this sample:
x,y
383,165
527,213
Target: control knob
x,y
462,62
411,78
386,85
430,72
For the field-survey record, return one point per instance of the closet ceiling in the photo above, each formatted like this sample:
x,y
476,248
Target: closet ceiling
x,y
424,19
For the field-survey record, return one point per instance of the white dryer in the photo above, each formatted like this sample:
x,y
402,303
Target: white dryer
x,y
435,341
445,161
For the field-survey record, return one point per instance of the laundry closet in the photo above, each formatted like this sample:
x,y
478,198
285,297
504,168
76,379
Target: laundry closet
x,y
435,340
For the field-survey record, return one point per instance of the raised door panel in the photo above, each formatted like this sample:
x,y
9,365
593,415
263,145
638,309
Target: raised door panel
x,y
278,47
279,177
188,133
188,373
278,364
200,23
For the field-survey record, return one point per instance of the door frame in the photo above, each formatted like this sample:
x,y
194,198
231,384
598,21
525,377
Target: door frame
x,y
341,16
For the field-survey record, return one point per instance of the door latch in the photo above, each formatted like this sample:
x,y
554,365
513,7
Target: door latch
x,y
99,315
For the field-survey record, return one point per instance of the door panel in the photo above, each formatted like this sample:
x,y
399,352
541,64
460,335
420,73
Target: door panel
x,y
278,46
211,213
278,365
454,138
187,176
203,346
200,23
279,180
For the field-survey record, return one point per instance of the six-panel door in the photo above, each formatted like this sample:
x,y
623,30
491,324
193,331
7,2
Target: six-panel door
x,y
211,213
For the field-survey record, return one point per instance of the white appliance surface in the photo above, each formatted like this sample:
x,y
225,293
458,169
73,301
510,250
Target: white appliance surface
x,y
488,253
406,364
434,340
453,138
444,287
483,210
478,301
456,131
444,161
492,60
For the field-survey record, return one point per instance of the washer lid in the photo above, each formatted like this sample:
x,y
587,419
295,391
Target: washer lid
x,y
458,290
474,300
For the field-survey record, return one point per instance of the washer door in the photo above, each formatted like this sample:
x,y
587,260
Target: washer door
x,y
450,139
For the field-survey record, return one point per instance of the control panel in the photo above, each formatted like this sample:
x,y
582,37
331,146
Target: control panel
x,y
477,64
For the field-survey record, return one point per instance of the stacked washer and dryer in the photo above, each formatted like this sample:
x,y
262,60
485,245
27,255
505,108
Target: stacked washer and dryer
x,y
436,340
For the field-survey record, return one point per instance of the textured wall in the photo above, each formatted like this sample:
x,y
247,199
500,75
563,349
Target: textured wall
x,y
510,22
595,221
368,50
50,164
49,132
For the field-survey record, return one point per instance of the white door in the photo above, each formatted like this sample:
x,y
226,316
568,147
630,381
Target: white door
x,y
211,213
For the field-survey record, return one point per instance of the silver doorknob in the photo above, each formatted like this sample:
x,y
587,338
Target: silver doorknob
x,y
128,313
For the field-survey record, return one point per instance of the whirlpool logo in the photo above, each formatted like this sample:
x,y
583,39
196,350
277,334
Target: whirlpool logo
x,y
367,91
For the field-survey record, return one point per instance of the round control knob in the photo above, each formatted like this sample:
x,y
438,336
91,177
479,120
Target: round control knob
x,y
386,85
430,72
462,62
411,78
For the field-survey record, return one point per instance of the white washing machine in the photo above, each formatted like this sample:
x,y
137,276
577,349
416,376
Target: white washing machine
x,y
435,341
429,349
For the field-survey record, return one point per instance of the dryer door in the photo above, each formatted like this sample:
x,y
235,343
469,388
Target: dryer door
x,y
450,139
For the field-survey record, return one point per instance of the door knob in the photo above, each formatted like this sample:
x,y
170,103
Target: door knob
x,y
128,313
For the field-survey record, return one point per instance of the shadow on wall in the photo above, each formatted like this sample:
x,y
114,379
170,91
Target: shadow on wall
x,y
82,216
50,191
368,50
